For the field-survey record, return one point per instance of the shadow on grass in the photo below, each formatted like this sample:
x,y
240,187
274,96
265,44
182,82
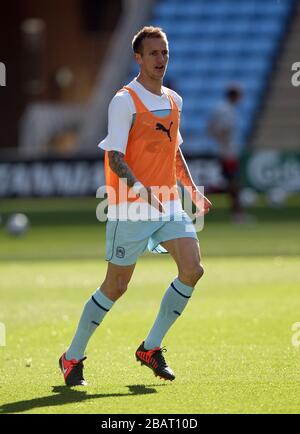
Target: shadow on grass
x,y
66,395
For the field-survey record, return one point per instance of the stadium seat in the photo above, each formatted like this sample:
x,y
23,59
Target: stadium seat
x,y
214,43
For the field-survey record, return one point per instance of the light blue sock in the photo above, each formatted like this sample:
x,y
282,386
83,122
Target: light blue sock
x,y
172,306
93,313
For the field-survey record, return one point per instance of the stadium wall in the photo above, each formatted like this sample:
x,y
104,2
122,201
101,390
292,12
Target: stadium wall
x,y
261,170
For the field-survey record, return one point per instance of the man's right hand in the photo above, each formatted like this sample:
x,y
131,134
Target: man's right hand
x,y
147,194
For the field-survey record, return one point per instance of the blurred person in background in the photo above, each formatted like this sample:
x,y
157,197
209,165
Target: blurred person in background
x,y
223,127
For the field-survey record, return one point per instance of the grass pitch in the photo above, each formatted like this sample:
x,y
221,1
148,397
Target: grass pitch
x,y
231,350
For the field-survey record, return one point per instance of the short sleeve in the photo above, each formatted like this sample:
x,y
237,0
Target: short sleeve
x,y
180,104
119,124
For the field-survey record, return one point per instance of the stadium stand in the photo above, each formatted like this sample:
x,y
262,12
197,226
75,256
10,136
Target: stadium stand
x,y
215,43
41,122
278,126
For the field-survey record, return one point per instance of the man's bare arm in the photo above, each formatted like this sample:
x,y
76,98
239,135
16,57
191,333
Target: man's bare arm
x,y
184,176
182,171
121,168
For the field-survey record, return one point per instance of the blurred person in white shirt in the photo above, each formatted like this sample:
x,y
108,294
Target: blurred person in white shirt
x,y
223,127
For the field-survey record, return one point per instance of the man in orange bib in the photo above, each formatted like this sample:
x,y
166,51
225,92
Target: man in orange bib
x,y
143,162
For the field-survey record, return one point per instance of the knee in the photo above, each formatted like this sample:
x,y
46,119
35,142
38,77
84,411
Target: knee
x,y
197,272
114,289
192,274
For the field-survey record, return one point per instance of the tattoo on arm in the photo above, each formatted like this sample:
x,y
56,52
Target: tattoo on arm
x,y
120,167
182,171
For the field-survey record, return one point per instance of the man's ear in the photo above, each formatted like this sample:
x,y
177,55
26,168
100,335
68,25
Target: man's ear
x,y
138,58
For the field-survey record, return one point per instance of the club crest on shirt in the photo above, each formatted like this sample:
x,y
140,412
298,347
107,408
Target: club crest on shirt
x,y
120,252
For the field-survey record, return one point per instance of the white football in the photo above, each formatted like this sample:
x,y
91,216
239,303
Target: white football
x,y
17,224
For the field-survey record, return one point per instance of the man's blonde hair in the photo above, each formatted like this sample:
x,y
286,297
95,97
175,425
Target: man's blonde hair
x,y
146,32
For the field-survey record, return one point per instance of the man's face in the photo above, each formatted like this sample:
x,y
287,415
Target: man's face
x,y
154,58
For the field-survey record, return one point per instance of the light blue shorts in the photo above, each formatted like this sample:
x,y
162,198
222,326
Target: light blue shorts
x,y
127,240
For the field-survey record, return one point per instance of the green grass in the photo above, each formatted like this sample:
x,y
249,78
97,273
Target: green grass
x,y
231,349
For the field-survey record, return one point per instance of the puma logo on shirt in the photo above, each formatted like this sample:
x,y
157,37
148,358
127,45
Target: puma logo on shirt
x,y
161,127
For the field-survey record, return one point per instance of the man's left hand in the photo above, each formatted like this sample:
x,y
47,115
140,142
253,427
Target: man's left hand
x,y
202,203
